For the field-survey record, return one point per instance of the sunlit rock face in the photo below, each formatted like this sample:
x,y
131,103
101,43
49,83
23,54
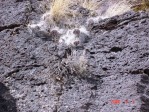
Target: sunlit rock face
x,y
109,73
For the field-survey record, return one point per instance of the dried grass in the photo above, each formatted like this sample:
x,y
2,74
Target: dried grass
x,y
77,64
60,9
117,8
91,5
144,5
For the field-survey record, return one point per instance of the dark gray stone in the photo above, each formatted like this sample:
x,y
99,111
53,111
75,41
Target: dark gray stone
x,y
145,79
147,92
140,88
7,102
40,80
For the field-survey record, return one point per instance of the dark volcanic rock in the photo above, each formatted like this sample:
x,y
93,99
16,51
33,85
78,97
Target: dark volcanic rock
x,y
7,102
38,81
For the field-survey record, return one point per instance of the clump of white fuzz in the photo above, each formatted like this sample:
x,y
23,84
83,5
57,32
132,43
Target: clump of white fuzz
x,y
72,38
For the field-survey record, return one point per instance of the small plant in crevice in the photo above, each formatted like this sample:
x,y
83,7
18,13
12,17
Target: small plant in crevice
x,y
77,64
80,65
72,68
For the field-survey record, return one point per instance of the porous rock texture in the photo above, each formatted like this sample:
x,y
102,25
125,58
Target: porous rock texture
x,y
33,78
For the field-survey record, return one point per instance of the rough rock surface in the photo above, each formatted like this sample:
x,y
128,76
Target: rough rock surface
x,y
32,79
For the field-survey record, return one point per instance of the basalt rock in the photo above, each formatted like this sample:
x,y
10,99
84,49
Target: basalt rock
x,y
34,79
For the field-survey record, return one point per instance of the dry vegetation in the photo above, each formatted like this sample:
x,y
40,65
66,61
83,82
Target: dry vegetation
x,y
80,65
144,5
117,8
60,9
91,5
83,64
77,64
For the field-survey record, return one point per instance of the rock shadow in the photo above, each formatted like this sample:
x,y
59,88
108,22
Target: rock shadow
x,y
7,102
